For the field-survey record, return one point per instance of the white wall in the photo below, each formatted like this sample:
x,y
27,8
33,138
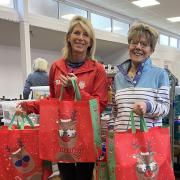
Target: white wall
x,y
11,82
10,72
167,56
50,56
117,57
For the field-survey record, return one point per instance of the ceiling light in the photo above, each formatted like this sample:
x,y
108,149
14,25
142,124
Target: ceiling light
x,y
145,3
115,28
4,2
174,19
68,16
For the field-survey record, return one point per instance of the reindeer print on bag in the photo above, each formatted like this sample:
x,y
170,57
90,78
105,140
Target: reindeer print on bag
x,y
146,167
23,162
68,138
67,131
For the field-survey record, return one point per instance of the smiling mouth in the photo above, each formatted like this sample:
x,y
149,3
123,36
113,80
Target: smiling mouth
x,y
138,54
79,45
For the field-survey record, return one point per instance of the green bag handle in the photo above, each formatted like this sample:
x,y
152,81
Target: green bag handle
x,y
12,121
95,123
143,125
76,90
21,125
29,121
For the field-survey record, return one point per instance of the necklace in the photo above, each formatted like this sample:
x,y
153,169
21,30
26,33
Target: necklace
x,y
131,74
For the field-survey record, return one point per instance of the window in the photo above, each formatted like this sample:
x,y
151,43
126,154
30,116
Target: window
x,y
120,27
100,22
164,40
173,42
7,3
44,7
68,12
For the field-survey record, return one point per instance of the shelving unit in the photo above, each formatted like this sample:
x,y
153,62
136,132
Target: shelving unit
x,y
174,91
176,145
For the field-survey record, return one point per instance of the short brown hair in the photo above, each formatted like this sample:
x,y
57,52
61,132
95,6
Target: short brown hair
x,y
145,30
86,25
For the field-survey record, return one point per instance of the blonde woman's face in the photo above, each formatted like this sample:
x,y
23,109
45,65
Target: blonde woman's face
x,y
79,40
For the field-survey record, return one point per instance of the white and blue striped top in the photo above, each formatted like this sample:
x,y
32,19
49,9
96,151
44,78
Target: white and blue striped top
x,y
151,84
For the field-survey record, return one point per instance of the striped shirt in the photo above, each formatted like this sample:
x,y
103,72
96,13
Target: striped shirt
x,y
151,85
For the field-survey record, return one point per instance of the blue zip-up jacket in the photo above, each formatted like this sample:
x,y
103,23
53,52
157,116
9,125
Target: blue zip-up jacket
x,y
37,78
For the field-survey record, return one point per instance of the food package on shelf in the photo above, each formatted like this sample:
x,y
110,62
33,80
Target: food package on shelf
x,y
39,92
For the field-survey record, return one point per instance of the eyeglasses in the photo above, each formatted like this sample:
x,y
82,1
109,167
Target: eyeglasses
x,y
69,132
143,44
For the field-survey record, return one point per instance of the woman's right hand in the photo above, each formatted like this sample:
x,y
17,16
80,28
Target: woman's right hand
x,y
140,108
19,110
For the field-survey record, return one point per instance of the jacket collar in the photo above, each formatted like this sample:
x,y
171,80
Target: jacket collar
x,y
143,66
86,67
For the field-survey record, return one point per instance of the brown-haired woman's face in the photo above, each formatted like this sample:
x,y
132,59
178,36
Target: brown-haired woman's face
x,y
79,40
139,49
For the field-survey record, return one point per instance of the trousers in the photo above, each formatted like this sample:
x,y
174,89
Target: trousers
x,y
76,171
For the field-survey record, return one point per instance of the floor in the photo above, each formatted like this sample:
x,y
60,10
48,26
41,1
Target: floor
x,y
55,178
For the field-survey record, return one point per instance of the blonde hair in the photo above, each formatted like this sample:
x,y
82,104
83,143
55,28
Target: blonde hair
x,y
87,26
40,64
144,30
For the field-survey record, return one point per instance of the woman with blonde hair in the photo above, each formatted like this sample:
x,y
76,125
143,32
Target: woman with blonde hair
x,y
38,78
77,62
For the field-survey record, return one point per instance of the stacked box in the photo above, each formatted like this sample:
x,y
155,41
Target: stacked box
x,y
39,92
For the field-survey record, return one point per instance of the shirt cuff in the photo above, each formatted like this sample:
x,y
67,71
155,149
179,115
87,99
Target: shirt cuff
x,y
149,107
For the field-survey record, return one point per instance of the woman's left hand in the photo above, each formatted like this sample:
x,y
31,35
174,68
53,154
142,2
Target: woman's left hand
x,y
20,110
140,108
66,80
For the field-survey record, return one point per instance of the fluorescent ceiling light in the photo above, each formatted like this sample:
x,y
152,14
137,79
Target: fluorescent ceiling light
x,y
174,19
4,2
145,3
114,28
68,16
117,28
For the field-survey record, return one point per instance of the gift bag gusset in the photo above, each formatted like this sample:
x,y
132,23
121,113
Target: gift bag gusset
x,y
66,129
95,116
110,155
143,154
101,171
101,166
19,152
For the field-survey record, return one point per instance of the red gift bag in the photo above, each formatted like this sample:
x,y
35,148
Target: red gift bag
x,y
141,154
19,154
69,130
